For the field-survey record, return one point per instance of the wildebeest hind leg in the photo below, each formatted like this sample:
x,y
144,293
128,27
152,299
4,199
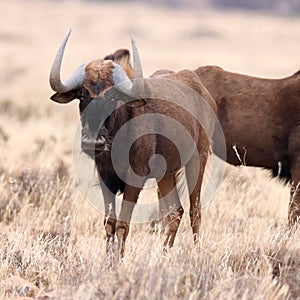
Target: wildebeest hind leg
x,y
194,176
167,189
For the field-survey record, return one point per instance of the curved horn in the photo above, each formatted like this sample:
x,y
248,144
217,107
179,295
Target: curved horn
x,y
74,81
137,66
121,79
138,84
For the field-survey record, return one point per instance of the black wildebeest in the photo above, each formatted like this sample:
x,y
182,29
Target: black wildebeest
x,y
262,118
112,84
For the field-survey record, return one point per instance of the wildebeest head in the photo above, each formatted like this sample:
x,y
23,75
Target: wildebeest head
x,y
99,85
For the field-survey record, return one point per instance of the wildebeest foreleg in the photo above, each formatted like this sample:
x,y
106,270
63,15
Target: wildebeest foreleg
x,y
130,198
167,189
110,217
294,206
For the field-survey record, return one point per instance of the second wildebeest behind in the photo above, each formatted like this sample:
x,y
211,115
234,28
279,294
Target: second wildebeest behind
x,y
261,117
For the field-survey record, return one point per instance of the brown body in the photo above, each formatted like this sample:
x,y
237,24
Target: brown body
x,y
261,117
148,145
131,99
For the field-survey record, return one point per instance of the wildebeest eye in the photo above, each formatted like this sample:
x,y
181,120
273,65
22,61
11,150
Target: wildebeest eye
x,y
84,98
83,103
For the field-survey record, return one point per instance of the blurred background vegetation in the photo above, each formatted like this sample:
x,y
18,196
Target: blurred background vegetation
x,y
271,6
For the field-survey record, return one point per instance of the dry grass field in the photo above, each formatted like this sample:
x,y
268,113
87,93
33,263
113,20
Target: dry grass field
x,y
52,240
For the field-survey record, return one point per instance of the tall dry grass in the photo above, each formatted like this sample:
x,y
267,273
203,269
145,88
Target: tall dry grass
x,y
52,240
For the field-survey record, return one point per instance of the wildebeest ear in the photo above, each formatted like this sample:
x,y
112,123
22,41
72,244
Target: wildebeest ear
x,y
64,97
133,103
136,103
120,98
119,55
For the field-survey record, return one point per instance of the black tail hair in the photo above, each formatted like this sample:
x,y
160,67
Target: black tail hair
x,y
284,174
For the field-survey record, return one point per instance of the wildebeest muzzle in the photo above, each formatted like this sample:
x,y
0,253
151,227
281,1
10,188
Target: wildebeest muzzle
x,y
92,141
94,135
